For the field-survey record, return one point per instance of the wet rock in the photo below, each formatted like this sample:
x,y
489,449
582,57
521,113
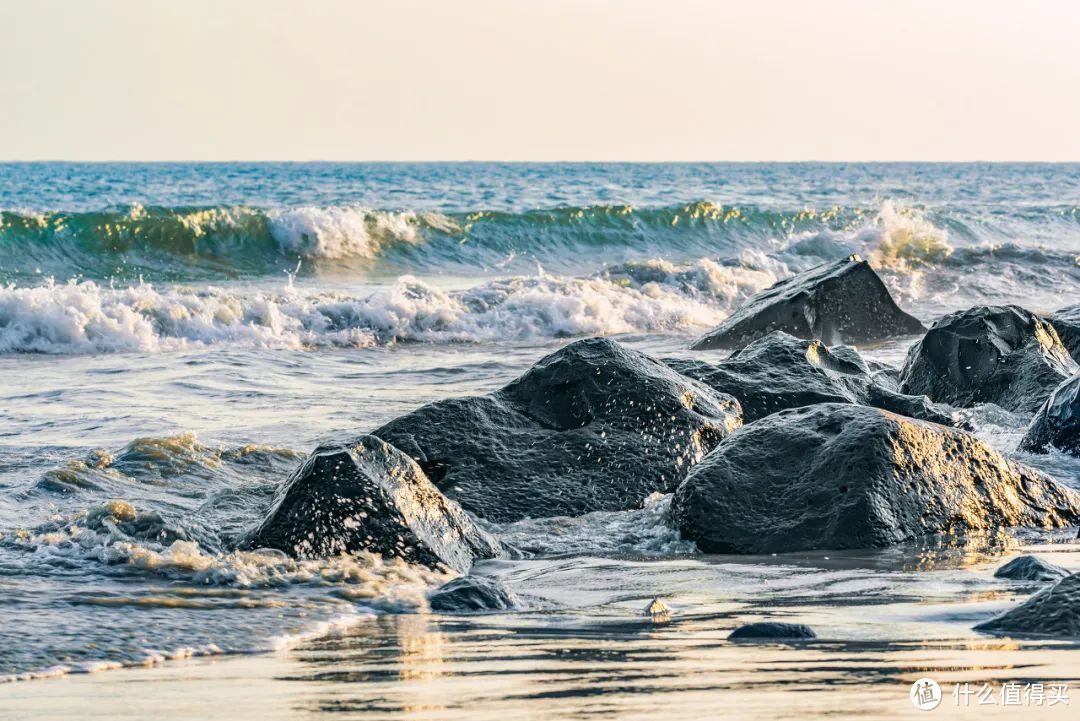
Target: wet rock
x,y
594,426
1066,322
767,630
839,302
656,609
988,354
1030,568
1057,423
919,407
1053,611
370,497
473,594
781,371
837,476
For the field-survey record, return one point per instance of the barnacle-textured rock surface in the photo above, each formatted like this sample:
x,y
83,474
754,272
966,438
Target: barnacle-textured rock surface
x,y
835,476
1053,611
1030,568
594,426
370,497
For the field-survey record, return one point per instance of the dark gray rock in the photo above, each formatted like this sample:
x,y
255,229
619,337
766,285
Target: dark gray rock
x,y
370,497
1053,611
768,630
780,371
1066,322
1057,422
594,426
839,302
836,476
884,375
1030,568
473,594
988,354
919,407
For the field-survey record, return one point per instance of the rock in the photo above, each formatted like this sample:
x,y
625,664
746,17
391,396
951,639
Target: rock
x,y
770,630
1053,611
1057,423
919,407
781,371
1030,568
835,476
839,302
594,426
988,354
1066,322
656,608
370,497
471,594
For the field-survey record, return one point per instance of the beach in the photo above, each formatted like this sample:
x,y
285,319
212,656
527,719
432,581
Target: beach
x,y
175,339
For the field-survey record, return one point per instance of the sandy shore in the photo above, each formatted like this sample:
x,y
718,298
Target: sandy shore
x,y
426,667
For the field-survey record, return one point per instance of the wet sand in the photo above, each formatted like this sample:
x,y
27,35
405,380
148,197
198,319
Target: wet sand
x,y
602,659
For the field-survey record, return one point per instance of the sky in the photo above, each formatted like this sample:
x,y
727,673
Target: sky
x,y
634,80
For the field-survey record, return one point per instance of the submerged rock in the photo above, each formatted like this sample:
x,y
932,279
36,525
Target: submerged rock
x,y
472,594
771,630
839,302
1066,322
1053,611
780,371
988,354
1030,568
1057,423
370,497
836,476
594,426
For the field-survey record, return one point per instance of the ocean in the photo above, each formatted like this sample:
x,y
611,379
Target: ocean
x,y
174,338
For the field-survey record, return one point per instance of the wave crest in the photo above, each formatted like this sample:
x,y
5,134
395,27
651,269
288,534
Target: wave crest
x,y
654,296
172,243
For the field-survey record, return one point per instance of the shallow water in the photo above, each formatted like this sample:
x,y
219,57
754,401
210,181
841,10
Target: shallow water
x,y
173,340
884,619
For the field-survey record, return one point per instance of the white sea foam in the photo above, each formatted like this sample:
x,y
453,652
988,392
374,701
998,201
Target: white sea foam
x,y
350,231
896,237
100,534
645,530
656,296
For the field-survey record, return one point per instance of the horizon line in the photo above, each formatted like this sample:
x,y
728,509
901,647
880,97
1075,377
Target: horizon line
x,y
59,161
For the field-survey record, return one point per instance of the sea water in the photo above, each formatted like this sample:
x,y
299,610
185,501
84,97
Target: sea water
x,y
175,337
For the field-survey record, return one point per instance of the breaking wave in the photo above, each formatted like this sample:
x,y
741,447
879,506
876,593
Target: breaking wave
x,y
651,296
161,243
925,261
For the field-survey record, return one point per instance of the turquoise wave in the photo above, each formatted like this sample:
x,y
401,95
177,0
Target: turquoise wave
x,y
162,243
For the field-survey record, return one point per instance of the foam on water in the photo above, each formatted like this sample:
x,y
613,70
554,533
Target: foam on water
x,y
335,233
119,524
86,317
648,530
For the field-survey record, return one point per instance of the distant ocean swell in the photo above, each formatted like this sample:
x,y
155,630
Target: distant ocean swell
x,y
222,242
